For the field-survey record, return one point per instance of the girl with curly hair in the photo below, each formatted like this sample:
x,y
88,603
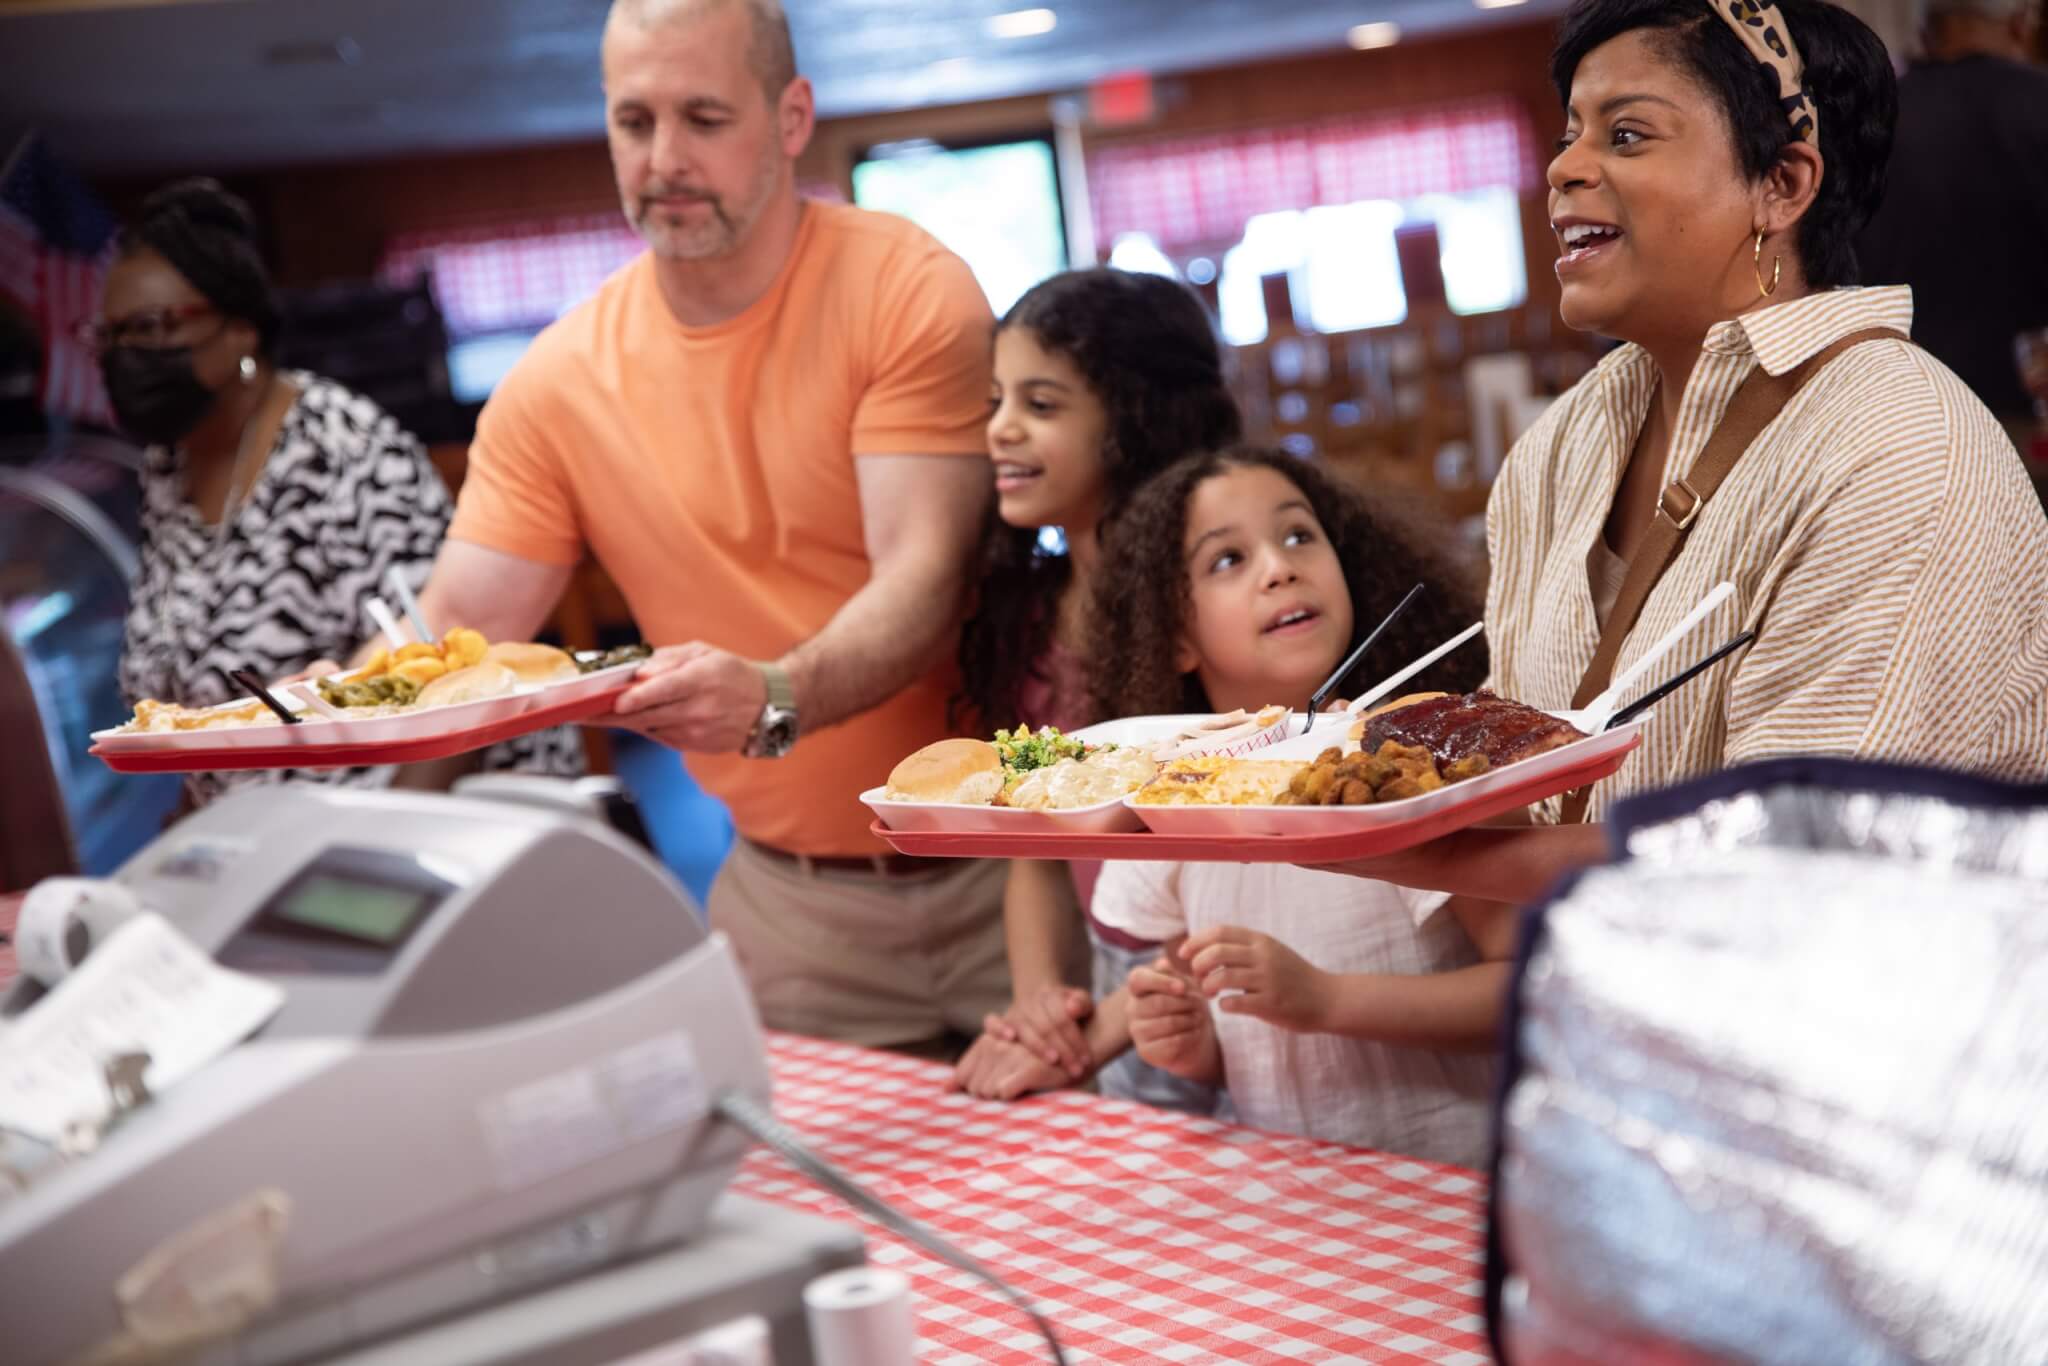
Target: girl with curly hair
x,y
1146,652
1330,1007
1102,379
1345,1010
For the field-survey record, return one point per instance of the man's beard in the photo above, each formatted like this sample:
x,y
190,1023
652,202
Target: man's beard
x,y
708,237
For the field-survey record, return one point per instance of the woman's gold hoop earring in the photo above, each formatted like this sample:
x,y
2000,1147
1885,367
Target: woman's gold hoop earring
x,y
1777,268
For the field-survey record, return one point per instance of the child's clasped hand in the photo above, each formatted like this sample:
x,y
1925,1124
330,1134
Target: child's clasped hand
x,y
1048,1023
1170,1023
1248,973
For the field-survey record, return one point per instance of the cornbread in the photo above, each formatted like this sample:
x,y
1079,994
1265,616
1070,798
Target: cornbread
x,y
1210,780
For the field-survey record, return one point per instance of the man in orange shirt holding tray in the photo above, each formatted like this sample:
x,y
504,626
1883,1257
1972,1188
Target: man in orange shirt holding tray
x,y
768,430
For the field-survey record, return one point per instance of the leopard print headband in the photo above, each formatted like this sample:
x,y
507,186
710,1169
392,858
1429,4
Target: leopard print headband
x,y
1762,30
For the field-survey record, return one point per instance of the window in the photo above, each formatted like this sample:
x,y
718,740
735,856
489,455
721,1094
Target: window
x,y
476,364
1321,203
996,205
1352,277
1344,272
513,277
1138,253
1484,266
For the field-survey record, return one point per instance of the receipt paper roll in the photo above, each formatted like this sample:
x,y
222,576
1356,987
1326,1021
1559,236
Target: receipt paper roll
x,y
860,1317
63,918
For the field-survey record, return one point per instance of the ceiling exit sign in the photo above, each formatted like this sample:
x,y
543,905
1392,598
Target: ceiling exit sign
x,y
1122,100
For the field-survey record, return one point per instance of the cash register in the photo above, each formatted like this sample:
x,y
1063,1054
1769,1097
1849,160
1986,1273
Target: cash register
x,y
482,1118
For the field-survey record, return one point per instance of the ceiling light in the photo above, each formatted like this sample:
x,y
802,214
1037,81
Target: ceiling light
x,y
1498,4
1374,35
1022,23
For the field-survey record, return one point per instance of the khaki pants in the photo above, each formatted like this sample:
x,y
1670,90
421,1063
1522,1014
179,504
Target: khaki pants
x,y
865,958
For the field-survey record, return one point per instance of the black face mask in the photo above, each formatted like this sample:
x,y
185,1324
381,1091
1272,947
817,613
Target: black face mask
x,y
156,396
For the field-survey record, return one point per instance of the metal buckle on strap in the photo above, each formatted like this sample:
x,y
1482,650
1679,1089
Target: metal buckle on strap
x,y
1691,513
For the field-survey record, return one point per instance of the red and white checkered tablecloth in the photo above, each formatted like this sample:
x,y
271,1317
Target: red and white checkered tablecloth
x,y
1146,1236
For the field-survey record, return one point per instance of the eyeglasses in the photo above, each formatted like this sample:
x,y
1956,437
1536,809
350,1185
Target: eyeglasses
x,y
151,330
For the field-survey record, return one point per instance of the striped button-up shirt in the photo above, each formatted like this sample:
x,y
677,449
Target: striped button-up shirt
x,y
1882,537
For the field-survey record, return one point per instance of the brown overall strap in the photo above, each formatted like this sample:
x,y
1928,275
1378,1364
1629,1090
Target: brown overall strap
x,y
1755,405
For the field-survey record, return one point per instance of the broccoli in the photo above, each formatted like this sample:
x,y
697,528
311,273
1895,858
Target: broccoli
x,y
1022,750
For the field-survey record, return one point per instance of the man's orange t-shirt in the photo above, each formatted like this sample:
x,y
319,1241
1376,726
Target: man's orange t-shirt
x,y
711,472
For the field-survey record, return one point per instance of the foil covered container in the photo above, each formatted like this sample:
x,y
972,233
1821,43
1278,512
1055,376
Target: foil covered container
x,y
1778,1081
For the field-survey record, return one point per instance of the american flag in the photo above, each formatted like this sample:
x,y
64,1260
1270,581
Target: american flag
x,y
55,242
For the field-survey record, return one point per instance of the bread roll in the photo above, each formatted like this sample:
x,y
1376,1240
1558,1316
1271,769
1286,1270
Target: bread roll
x,y
968,772
532,663
474,684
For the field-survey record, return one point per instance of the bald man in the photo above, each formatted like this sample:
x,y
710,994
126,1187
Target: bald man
x,y
1965,215
768,430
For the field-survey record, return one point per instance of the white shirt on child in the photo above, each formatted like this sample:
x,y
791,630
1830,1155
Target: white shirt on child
x,y
1395,1099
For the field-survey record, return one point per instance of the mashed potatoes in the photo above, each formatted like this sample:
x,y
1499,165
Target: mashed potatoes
x,y
1102,777
162,718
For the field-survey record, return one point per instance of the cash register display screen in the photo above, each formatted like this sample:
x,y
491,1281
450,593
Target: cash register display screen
x,y
369,911
348,911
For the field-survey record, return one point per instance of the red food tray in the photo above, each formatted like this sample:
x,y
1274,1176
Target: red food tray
x,y
355,755
1368,842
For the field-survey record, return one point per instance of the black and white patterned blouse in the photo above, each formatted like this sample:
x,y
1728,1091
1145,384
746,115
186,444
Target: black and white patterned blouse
x,y
346,494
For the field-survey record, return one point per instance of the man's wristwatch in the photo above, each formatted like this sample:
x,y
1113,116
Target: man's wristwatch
x,y
775,732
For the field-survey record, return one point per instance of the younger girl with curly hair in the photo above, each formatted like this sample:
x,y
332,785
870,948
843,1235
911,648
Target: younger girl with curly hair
x,y
1145,652
1343,1009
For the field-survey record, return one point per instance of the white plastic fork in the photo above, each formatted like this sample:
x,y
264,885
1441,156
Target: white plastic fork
x,y
409,603
1594,716
380,612
308,690
1359,705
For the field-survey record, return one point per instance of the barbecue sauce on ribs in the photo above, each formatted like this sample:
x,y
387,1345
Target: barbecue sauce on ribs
x,y
1453,727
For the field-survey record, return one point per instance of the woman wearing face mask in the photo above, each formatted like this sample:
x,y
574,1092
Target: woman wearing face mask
x,y
1768,423
274,502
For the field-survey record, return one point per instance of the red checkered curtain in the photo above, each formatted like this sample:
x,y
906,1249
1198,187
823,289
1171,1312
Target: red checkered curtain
x,y
523,275
1200,191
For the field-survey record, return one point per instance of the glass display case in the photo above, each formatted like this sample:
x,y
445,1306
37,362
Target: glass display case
x,y
67,557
